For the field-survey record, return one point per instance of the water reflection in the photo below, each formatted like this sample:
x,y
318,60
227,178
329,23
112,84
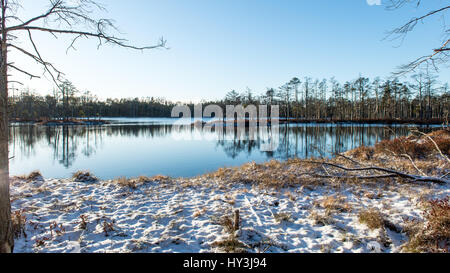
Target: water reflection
x,y
149,149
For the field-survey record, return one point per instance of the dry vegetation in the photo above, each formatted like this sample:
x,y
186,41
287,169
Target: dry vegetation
x,y
372,218
84,176
416,156
134,183
18,224
33,176
433,233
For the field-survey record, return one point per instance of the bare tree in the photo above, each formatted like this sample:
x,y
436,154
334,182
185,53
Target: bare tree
x,y
439,55
72,18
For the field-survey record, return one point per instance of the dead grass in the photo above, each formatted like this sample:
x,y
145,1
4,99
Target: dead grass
x,y
335,204
417,147
323,219
372,218
33,176
433,233
271,174
134,183
283,217
125,182
108,227
85,177
231,245
18,224
227,223
83,222
362,153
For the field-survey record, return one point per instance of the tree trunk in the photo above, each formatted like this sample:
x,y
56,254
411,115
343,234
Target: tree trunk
x,y
6,235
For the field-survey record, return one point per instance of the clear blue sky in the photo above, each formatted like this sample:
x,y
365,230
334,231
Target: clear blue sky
x,y
217,46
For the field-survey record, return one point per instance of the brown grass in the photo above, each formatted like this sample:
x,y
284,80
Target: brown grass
x,y
33,176
134,183
417,147
283,217
108,227
231,245
83,222
18,224
125,182
84,176
335,204
270,174
323,219
363,152
433,233
372,218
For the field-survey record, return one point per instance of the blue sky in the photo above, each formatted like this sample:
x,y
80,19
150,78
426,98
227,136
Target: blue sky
x,y
217,46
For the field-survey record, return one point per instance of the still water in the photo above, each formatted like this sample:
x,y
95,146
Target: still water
x,y
150,146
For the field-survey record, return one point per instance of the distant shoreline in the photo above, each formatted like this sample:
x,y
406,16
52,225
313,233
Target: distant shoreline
x,y
58,122
96,121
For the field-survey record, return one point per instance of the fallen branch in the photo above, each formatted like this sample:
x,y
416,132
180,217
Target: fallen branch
x,y
349,159
414,178
369,177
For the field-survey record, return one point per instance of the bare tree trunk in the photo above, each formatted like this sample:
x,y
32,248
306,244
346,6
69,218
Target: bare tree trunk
x,y
6,236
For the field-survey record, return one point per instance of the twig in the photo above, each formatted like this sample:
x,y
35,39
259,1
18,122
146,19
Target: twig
x,y
435,144
349,159
414,165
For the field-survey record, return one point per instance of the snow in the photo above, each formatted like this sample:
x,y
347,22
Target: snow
x,y
180,216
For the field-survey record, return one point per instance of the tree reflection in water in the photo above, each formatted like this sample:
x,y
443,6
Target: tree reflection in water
x,y
303,141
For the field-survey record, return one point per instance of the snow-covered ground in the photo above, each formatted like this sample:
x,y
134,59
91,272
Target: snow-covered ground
x,y
187,215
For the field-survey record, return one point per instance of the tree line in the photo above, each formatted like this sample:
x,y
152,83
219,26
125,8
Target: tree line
x,y
420,98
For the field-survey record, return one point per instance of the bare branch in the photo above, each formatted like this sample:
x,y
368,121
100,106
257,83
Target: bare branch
x,y
438,56
23,71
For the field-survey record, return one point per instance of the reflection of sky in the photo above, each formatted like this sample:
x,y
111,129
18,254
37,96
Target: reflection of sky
x,y
146,149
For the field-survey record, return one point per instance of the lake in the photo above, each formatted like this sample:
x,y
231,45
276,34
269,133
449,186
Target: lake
x,y
132,147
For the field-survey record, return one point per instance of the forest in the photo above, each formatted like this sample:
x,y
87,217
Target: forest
x,y
422,98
